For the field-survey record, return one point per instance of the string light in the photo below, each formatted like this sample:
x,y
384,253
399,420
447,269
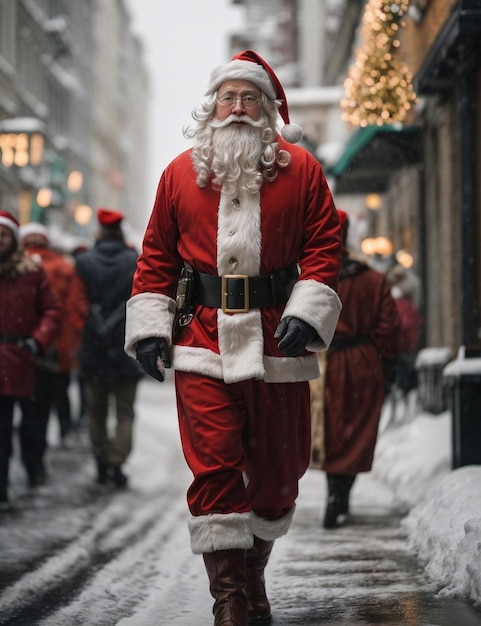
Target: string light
x,y
378,89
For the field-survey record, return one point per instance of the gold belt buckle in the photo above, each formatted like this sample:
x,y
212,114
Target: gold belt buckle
x,y
225,293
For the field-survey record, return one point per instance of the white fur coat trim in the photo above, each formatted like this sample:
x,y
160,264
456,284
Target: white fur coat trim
x,y
241,342
239,234
241,345
270,530
148,315
217,531
291,369
318,305
276,369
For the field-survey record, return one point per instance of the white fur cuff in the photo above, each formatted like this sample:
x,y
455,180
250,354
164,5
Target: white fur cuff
x,y
270,530
148,315
209,533
318,305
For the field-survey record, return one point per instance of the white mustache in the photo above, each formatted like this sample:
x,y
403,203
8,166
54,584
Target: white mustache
x,y
236,119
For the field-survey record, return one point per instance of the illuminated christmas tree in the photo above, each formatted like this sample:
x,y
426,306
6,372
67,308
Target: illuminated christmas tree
x,y
378,89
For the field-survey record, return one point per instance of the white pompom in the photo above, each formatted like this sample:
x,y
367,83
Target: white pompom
x,y
292,133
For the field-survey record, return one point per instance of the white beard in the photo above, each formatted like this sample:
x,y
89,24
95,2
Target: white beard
x,y
236,150
232,150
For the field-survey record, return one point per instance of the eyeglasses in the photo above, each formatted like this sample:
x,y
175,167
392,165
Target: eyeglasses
x,y
248,102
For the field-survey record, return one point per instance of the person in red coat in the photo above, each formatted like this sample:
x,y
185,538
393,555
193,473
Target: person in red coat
x,y
403,290
63,359
29,321
250,220
367,333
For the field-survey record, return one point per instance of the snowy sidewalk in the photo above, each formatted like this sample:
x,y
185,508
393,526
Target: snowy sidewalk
x,y
347,575
73,554
361,574
314,576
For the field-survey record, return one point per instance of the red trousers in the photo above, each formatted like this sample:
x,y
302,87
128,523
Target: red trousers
x,y
247,443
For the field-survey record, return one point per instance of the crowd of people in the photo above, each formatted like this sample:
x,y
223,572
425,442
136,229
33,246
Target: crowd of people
x,y
246,286
63,317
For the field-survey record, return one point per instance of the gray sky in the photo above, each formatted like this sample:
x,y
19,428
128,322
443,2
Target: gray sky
x,y
184,40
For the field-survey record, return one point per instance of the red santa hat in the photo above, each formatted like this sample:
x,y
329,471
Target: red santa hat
x,y
109,217
10,222
33,228
248,65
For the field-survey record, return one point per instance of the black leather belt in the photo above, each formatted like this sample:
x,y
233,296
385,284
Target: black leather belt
x,y
345,343
237,293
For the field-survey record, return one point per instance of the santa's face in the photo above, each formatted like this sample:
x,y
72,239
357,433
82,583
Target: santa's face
x,y
238,98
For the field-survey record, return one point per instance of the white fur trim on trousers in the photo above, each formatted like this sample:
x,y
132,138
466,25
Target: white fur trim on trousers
x,y
217,531
234,531
270,530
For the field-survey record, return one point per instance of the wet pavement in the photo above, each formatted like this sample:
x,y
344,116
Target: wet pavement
x,y
363,573
74,554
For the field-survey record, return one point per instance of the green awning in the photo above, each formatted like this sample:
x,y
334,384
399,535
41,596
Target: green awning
x,y
373,154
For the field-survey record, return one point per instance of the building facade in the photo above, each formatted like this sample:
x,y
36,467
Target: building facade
x,y
408,168
294,37
426,169
73,102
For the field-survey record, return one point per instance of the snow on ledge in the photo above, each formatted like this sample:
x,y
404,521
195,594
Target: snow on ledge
x,y
462,365
433,356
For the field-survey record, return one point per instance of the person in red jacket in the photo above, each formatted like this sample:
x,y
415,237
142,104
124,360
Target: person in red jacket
x,y
403,289
63,358
367,333
250,221
29,321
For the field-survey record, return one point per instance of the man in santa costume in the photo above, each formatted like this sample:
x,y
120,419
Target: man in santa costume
x,y
253,218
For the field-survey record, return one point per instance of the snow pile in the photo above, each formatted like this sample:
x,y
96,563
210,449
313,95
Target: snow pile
x,y
444,519
410,458
445,530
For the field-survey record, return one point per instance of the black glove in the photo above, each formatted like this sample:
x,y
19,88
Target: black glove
x,y
148,353
32,345
295,335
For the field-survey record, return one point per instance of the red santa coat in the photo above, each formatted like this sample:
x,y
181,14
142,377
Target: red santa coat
x,y
290,220
354,383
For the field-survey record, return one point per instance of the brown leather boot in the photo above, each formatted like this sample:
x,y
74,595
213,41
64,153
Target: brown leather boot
x,y
259,609
227,575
